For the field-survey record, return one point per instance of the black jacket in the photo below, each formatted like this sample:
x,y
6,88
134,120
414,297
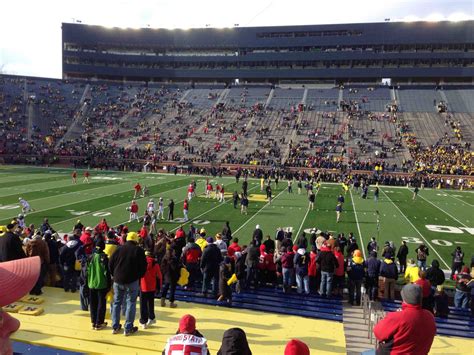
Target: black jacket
x,y
327,261
170,269
211,258
402,253
389,270
435,275
234,342
11,247
253,255
128,263
258,235
178,244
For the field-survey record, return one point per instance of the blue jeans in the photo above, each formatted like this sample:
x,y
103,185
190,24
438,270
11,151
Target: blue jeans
x,y
422,264
461,299
128,293
326,283
302,281
288,277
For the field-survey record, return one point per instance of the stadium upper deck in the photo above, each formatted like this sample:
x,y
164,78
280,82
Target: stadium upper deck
x,y
418,51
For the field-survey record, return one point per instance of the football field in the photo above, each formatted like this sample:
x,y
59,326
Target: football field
x,y
442,219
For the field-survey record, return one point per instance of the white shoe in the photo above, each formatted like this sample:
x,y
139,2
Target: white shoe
x,y
151,321
143,326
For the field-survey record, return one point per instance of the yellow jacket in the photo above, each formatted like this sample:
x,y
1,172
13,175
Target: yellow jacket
x,y
411,274
201,242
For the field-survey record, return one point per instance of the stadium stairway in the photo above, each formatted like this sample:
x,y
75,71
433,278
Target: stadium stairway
x,y
458,323
274,301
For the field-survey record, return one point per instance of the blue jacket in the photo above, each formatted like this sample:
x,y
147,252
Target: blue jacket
x,y
356,271
373,267
388,269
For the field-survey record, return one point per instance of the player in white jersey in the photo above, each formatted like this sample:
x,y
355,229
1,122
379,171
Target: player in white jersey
x,y
150,207
25,206
21,221
161,209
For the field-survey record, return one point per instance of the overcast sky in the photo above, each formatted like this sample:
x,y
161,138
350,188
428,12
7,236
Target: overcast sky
x,y
30,30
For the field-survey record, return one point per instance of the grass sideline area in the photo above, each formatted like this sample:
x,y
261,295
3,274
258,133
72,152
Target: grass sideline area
x,y
442,219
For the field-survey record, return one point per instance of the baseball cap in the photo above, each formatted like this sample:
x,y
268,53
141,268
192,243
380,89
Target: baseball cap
x,y
17,278
187,324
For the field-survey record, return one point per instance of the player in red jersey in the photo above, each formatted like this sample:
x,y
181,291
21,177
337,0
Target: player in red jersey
x,y
86,176
185,210
138,189
133,212
74,177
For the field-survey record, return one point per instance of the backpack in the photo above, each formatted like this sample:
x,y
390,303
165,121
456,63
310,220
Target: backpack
x,y
97,272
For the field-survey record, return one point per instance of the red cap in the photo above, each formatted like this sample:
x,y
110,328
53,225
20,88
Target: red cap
x,y
187,324
296,347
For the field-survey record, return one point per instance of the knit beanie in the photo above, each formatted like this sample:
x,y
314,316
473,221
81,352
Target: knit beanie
x,y
187,324
296,347
412,294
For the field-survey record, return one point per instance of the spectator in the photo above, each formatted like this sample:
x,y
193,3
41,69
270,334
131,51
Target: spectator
x,y
296,347
221,244
210,261
372,279
226,232
234,342
441,303
410,331
10,245
201,240
402,256
111,243
257,235
191,257
301,261
38,247
195,343
313,270
225,273
149,283
170,269
388,277
127,265
67,260
327,263
98,282
356,272
463,292
269,243
435,275
372,246
240,270
288,268
412,271
234,247
427,302
421,255
339,273
53,249
251,263
458,261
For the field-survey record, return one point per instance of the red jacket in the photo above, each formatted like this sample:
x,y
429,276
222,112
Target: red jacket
x,y
313,266
102,227
87,242
192,254
180,233
153,272
425,286
340,261
410,331
134,208
233,248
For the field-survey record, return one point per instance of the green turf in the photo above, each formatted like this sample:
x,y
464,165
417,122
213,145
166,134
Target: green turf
x,y
52,194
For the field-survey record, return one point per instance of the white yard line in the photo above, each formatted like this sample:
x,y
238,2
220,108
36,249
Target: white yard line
x,y
260,210
457,198
87,199
362,246
449,214
306,215
416,229
121,204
